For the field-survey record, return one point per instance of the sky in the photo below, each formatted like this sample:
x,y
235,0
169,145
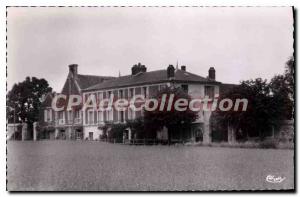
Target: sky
x,y
240,42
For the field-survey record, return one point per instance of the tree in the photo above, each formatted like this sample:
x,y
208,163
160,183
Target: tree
x,y
116,132
281,96
24,100
173,120
267,106
137,127
290,79
289,75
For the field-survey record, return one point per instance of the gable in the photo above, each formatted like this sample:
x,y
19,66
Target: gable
x,y
70,87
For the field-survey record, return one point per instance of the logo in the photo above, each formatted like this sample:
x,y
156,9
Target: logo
x,y
274,179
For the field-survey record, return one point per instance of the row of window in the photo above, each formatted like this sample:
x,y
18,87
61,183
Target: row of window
x,y
208,91
94,117
60,116
121,93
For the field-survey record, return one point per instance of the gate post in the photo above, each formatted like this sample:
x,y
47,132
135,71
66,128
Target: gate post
x,y
24,131
206,133
35,131
231,134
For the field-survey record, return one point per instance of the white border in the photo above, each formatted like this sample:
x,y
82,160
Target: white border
x,y
105,3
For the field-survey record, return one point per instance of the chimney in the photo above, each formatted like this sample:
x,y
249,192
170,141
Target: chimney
x,y
170,71
137,68
212,73
183,68
73,70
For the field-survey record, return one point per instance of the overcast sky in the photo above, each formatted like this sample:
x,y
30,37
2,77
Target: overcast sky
x,y
241,43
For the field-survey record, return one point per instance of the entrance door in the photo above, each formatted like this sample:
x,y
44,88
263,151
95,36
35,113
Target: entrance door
x,y
79,134
91,136
199,135
62,134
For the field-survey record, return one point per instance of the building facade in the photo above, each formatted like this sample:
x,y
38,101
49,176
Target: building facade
x,y
66,124
87,124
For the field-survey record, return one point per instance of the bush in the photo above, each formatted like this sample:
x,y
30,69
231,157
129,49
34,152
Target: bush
x,y
286,145
103,136
116,132
268,143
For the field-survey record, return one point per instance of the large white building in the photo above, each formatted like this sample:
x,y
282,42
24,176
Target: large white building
x,y
87,124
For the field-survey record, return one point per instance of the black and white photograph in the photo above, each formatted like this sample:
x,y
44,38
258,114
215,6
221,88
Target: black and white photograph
x,y
156,99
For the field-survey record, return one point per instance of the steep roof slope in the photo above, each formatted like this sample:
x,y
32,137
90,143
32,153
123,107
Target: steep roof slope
x,y
85,81
81,82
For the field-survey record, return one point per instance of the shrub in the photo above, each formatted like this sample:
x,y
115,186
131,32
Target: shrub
x,y
116,132
269,143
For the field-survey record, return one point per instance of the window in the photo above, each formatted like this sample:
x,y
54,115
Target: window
x,y
63,134
185,88
50,115
209,91
121,116
162,86
100,96
47,115
144,91
90,117
70,116
100,116
130,114
109,115
61,117
109,94
86,97
121,94
91,136
77,114
131,92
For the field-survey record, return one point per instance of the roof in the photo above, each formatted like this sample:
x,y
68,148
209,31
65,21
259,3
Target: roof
x,y
157,76
83,81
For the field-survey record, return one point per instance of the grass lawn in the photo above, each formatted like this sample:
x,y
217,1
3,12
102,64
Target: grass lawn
x,y
89,166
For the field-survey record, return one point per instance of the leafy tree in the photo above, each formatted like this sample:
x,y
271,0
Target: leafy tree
x,y
24,100
290,79
137,127
173,120
289,75
281,96
116,132
267,106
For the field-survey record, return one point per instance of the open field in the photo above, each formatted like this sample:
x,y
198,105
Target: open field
x,y
74,165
